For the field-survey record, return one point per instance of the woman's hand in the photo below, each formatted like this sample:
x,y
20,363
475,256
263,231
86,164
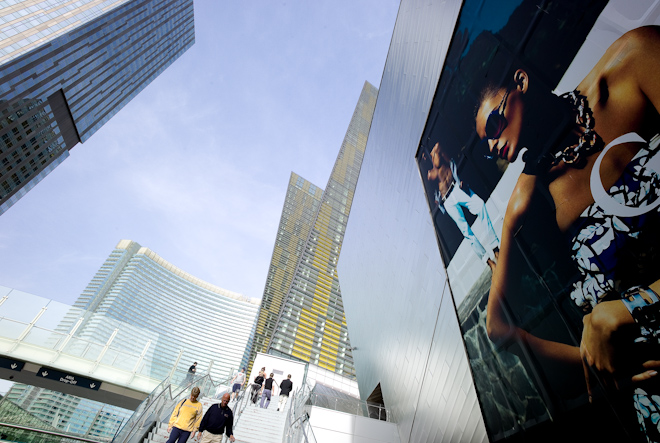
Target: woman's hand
x,y
651,367
599,348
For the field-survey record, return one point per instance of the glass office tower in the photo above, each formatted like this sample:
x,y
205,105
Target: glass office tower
x,y
68,68
301,205
25,25
311,326
139,294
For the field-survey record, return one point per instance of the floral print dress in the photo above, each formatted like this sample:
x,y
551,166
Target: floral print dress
x,y
614,253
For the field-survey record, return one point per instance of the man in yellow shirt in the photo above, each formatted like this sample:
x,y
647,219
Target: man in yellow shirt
x,y
185,418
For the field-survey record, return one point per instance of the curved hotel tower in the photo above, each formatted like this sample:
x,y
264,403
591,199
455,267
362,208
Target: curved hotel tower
x,y
139,294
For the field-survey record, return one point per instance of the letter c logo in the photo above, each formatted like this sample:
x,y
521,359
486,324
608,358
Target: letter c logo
x,y
603,199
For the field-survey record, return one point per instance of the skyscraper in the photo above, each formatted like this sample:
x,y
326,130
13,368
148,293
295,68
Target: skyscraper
x,y
28,24
139,294
67,70
301,205
311,325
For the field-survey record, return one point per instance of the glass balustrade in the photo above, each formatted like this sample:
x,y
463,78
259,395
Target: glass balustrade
x,y
11,329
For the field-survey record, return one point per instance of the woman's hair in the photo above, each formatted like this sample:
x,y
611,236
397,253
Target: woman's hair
x,y
494,81
489,91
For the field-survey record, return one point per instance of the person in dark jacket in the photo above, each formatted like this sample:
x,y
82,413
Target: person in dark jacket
x,y
191,373
285,389
257,385
218,418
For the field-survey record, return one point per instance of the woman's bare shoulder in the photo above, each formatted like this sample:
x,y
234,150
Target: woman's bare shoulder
x,y
643,34
519,202
637,42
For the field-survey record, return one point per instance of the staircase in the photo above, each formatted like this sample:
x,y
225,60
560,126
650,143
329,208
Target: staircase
x,y
159,433
258,425
255,425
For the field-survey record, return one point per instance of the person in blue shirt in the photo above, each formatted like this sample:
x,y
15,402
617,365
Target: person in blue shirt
x,y
453,196
219,418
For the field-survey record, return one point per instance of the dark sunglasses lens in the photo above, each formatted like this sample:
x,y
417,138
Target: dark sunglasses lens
x,y
495,124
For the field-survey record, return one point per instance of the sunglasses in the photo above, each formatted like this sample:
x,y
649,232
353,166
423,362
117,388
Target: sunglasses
x,y
496,122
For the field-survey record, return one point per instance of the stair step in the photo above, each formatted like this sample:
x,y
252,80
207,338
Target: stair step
x,y
255,424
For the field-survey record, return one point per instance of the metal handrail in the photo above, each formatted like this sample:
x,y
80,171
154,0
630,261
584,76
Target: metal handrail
x,y
297,411
161,404
304,423
55,434
241,401
350,405
300,418
311,431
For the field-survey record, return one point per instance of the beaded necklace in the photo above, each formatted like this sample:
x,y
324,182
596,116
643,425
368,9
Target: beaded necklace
x,y
589,141
574,155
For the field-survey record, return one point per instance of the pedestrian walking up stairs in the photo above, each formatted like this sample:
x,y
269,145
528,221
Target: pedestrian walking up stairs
x,y
257,425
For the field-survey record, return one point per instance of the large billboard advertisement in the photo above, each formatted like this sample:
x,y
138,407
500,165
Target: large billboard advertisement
x,y
539,165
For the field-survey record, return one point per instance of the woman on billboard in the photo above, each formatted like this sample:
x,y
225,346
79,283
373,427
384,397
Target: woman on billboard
x,y
590,151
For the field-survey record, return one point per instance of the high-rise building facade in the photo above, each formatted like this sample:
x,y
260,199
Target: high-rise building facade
x,y
311,325
484,112
136,293
68,68
25,25
301,205
69,413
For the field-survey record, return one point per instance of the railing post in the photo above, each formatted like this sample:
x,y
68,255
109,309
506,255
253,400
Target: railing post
x,y
176,364
27,330
144,352
84,353
65,342
70,334
105,349
3,299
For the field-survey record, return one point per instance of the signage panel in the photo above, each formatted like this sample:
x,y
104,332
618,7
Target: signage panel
x,y
10,363
70,379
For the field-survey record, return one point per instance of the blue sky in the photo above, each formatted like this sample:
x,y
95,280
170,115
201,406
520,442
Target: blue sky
x,y
196,166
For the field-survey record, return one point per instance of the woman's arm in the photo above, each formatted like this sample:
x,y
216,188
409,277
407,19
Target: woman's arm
x,y
498,325
643,60
600,346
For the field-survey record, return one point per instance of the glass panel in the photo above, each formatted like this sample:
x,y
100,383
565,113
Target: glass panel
x,y
11,329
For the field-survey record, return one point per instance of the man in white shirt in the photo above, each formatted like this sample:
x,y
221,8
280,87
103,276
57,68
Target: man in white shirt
x,y
237,382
